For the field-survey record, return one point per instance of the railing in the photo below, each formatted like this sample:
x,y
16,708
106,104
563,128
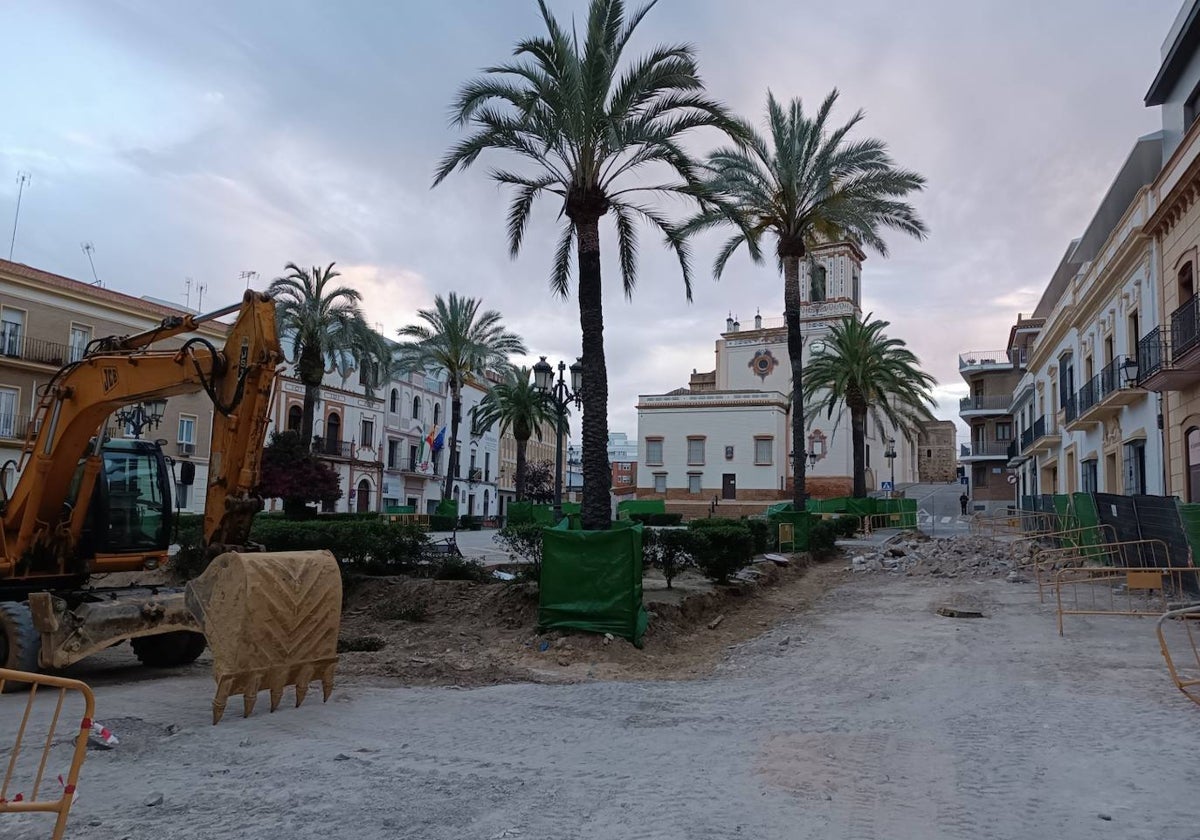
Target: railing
x,y
1088,395
1071,407
14,426
414,465
1111,377
1013,450
985,402
1185,328
987,449
1039,428
333,448
14,344
1026,439
1151,353
975,358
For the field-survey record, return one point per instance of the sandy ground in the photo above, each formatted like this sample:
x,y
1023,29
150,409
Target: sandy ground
x,y
865,717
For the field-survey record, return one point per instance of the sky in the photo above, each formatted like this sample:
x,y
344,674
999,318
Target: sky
x,y
189,140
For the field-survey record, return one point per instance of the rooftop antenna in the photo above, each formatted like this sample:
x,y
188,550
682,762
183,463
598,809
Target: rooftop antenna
x,y
248,276
88,248
187,292
201,288
23,178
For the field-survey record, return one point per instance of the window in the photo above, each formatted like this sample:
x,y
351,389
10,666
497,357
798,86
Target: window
x,y
763,450
654,451
695,450
187,429
816,290
8,411
694,482
1192,442
80,337
1004,431
366,374
487,466
1135,468
413,456
416,415
394,402
1088,481
295,418
1187,283
437,413
393,454
1134,331
12,329
660,482
368,433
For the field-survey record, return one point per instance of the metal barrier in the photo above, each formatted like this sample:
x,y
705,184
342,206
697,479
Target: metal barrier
x,y
1047,562
1124,591
902,520
1186,679
1105,533
17,801
787,534
421,519
1021,523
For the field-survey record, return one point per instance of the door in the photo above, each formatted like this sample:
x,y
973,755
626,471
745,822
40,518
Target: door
x,y
729,486
363,496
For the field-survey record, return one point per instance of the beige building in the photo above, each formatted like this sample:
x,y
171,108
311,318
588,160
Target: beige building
x,y
537,450
991,376
937,456
47,321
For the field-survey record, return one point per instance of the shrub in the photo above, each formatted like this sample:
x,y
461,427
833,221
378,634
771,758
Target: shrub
x,y
764,535
453,567
670,551
722,551
845,526
525,541
661,520
822,536
441,522
373,547
716,522
468,522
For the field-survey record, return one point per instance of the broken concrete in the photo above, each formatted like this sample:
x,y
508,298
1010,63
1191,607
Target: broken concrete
x,y
953,557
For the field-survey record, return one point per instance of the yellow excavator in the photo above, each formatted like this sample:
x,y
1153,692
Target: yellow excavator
x,y
85,506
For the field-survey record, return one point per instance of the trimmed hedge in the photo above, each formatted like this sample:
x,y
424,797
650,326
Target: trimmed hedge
x,y
671,551
721,552
662,520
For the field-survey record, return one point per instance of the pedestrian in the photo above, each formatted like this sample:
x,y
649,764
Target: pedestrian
x,y
962,501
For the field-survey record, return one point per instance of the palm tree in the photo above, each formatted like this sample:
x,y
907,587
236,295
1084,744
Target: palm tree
x,y
872,374
586,127
327,329
806,184
519,405
464,343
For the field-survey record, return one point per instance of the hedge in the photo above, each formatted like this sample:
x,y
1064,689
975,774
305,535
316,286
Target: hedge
x,y
662,520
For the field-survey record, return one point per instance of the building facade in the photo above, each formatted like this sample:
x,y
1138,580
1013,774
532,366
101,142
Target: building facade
x,y
991,376
937,455
416,411
538,449
47,321
476,482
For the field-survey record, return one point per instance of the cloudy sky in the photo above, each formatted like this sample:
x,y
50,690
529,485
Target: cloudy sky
x,y
204,140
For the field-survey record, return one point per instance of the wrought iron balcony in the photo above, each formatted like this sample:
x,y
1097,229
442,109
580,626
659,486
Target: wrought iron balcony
x,y
15,344
333,448
984,360
1151,353
1185,328
996,404
13,426
1027,438
986,449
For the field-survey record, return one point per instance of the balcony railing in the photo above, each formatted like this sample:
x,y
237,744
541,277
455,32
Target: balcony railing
x,y
1026,439
985,402
1071,408
1014,449
1151,353
415,465
333,448
1088,396
987,449
14,344
1185,328
979,358
13,426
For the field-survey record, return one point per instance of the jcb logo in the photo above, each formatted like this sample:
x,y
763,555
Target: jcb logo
x,y
110,378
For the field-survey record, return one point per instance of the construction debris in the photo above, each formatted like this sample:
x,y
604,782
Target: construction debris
x,y
959,556
955,612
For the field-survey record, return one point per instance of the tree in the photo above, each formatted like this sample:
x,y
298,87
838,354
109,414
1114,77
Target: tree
x,y
327,330
464,343
586,127
806,184
517,404
291,472
539,482
873,375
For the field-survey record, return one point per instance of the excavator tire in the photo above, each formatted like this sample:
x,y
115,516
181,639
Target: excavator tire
x,y
19,642
168,650
271,620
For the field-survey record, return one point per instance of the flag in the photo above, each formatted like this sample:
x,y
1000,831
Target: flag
x,y
440,440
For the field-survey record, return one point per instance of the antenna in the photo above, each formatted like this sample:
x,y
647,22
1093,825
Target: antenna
x,y
88,248
23,178
187,291
200,290
248,276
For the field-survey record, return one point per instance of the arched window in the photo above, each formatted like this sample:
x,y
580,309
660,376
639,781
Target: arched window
x,y
416,408
816,291
394,404
1192,444
295,418
437,413
363,497
333,428
1187,283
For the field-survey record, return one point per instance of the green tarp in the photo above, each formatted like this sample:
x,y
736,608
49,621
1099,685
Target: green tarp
x,y
801,519
446,507
780,507
641,506
592,580
1062,506
1189,516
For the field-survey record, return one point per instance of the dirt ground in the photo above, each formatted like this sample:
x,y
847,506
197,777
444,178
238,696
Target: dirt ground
x,y
863,715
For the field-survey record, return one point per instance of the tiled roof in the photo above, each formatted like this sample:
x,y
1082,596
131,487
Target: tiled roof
x,y
96,293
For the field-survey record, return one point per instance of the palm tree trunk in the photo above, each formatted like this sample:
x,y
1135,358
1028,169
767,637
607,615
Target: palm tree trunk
x,y
311,370
597,478
520,478
795,341
858,440
455,419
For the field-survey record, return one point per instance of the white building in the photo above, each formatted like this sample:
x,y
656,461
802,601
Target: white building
x,y
476,484
621,447
727,436
412,473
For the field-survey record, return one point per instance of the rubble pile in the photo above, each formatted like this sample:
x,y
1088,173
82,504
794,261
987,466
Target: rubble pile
x,y
960,556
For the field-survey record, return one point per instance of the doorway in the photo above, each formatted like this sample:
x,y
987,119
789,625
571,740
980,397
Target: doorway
x,y
729,486
363,497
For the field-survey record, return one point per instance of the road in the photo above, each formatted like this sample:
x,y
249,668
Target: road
x,y
940,502
867,717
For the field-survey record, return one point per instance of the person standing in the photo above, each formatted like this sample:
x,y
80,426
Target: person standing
x,y
962,501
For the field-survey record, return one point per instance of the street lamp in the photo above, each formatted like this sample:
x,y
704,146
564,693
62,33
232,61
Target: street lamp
x,y
141,416
562,397
890,454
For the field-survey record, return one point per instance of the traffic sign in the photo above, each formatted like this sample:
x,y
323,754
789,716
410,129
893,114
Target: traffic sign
x,y
887,486
1012,478
962,479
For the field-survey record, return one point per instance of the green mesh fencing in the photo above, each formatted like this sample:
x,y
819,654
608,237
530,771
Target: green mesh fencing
x,y
1189,515
780,507
641,506
1085,516
800,519
592,580
1062,506
571,507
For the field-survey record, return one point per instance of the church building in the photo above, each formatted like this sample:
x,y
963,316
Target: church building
x,y
724,440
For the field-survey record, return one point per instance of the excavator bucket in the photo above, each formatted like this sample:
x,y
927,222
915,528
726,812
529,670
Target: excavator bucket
x,y
271,620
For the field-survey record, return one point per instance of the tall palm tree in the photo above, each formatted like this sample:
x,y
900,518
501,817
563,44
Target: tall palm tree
x,y
327,329
805,184
873,375
586,124
464,343
519,405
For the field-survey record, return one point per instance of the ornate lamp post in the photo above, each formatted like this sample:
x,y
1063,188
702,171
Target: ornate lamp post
x,y
562,396
139,417
890,454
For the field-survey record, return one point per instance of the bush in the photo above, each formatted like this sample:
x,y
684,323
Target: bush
x,y
453,567
525,541
441,522
373,547
845,527
722,551
671,551
468,522
764,535
662,520
822,537
716,522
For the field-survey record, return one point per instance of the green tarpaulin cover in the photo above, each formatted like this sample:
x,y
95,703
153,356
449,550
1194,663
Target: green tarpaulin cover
x,y
446,507
642,506
592,580
801,519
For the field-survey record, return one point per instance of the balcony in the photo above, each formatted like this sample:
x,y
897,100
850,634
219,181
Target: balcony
x,y
1078,410
984,404
1113,389
1015,458
982,360
1046,435
333,448
1163,365
415,466
16,345
13,426
1026,440
990,450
